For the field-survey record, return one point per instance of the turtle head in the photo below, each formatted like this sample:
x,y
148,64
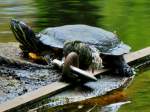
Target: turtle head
x,y
23,33
25,36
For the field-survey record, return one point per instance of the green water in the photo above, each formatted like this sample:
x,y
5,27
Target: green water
x,y
128,18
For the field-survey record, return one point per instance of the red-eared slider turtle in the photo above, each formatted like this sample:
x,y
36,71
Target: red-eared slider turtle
x,y
83,39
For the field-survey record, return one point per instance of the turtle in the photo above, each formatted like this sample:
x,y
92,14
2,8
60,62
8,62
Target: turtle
x,y
82,39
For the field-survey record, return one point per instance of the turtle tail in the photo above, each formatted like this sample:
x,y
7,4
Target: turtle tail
x,y
25,35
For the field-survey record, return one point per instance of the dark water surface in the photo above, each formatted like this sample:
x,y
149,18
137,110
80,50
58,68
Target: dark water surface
x,y
129,19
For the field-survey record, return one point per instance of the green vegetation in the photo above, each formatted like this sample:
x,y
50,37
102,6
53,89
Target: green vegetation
x,y
139,93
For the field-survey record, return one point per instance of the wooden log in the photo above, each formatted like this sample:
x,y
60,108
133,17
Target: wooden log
x,y
133,56
59,86
81,73
31,96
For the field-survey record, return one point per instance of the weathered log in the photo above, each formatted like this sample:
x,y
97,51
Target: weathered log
x,y
58,86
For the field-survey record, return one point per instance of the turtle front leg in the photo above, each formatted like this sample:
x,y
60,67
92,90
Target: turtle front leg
x,y
26,52
34,57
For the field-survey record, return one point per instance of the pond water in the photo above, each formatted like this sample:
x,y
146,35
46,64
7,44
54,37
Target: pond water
x,y
129,19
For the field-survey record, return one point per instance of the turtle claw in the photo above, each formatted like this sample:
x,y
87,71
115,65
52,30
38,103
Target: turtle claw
x,y
47,59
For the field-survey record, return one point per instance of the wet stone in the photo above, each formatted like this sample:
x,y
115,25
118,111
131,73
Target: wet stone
x,y
23,78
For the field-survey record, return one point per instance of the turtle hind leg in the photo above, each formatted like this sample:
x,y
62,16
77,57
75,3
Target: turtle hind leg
x,y
117,64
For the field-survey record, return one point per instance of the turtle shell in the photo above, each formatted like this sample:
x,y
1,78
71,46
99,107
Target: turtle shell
x,y
104,41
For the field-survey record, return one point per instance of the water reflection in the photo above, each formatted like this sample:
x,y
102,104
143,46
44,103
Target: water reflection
x,y
97,104
130,19
22,9
56,12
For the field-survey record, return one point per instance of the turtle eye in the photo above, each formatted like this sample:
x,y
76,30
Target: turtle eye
x,y
22,23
